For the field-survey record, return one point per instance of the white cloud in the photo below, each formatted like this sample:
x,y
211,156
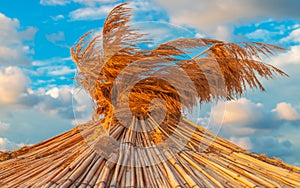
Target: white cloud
x,y
243,142
292,56
143,5
90,13
12,49
82,106
65,2
239,117
223,33
54,2
252,127
58,17
241,111
208,15
7,145
15,92
294,36
11,56
53,67
64,93
13,82
56,60
54,92
9,33
93,2
61,71
261,34
286,111
10,30
296,26
56,102
56,37
98,9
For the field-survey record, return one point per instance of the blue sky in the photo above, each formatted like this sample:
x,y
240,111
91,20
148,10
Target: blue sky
x,y
36,70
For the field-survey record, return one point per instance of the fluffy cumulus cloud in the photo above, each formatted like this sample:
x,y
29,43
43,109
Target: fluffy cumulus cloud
x,y
285,111
208,15
82,107
13,50
294,36
242,118
239,117
40,114
228,119
242,110
291,56
43,113
63,102
261,130
243,142
15,92
10,33
6,144
13,82
56,101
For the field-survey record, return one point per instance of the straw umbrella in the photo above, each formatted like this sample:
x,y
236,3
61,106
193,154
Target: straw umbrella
x,y
139,136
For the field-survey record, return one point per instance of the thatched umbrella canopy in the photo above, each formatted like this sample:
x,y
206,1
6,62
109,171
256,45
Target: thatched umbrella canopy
x,y
68,161
135,142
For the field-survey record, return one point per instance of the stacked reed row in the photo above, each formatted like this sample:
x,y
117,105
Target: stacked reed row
x,y
204,161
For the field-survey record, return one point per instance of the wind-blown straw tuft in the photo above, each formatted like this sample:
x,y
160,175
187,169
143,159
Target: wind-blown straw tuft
x,y
101,59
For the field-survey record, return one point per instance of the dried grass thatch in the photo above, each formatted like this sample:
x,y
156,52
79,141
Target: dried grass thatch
x,y
102,59
143,152
68,161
